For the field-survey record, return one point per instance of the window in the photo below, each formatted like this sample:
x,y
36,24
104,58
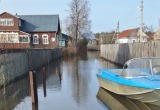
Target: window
x,y
6,22
13,38
9,37
3,38
45,39
35,39
20,23
2,22
24,39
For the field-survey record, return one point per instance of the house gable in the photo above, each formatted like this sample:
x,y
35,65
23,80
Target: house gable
x,y
8,22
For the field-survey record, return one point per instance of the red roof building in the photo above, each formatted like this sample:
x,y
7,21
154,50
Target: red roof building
x,y
131,36
128,33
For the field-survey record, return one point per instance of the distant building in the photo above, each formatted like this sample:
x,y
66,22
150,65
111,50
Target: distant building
x,y
131,36
104,38
64,40
156,35
29,31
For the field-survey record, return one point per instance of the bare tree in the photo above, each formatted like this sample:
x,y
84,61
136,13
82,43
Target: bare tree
x,y
78,21
149,30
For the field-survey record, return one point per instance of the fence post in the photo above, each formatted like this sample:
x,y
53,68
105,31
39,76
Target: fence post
x,y
33,87
44,81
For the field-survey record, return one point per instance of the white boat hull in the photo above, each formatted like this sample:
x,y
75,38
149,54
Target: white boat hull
x,y
141,94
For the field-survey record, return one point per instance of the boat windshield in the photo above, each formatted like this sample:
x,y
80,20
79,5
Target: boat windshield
x,y
141,67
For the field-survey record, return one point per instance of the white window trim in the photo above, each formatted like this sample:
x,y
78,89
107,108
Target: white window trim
x,y
15,34
35,35
45,39
7,22
7,36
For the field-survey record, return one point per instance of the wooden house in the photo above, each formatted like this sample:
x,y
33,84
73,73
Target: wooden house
x,y
29,31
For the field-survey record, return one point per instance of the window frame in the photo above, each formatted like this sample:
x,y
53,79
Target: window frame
x,y
22,36
35,39
5,37
6,22
45,40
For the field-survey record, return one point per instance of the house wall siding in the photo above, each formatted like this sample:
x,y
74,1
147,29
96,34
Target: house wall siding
x,y
128,40
41,45
14,45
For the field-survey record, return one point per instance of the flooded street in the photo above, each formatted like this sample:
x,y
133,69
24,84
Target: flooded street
x,y
70,83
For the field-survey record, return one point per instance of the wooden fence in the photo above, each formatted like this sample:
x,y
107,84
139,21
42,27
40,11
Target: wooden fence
x,y
120,53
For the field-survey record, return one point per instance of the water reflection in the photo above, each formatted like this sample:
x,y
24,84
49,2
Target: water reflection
x,y
107,64
47,77
78,80
11,95
44,81
34,106
118,102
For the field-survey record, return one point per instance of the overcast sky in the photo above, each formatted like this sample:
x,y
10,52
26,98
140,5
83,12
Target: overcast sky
x,y
104,14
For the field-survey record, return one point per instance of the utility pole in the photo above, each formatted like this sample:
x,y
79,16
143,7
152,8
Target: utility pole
x,y
141,21
117,31
116,34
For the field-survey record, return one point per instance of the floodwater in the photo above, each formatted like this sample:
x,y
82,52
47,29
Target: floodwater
x,y
69,83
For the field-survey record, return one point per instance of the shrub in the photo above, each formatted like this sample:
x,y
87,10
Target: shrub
x,y
83,42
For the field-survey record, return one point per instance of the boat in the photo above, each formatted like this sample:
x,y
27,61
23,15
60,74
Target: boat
x,y
118,102
139,79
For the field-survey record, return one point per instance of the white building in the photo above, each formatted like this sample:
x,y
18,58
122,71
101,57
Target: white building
x,y
131,36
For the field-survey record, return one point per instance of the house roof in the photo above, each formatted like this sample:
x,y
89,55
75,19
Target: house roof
x,y
126,33
9,14
40,23
23,33
151,38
